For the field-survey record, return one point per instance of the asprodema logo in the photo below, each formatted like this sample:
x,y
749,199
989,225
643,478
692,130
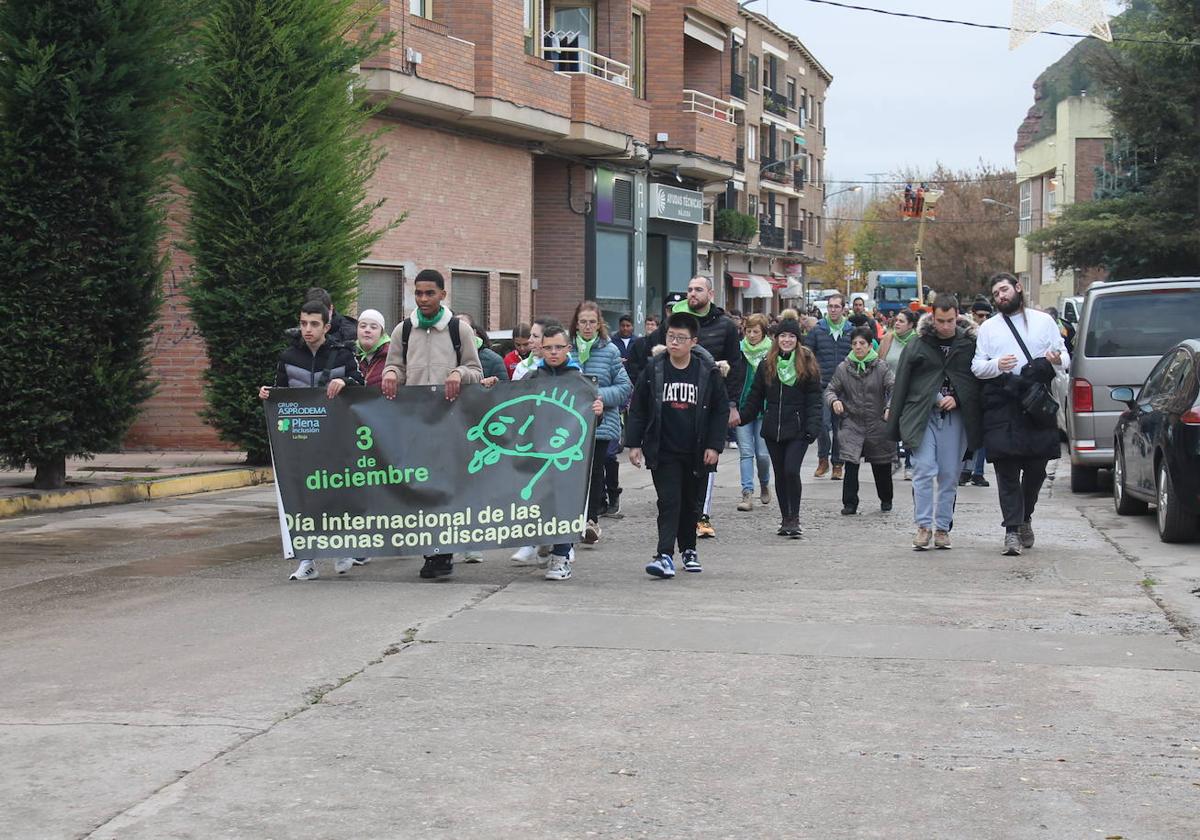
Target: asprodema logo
x,y
284,424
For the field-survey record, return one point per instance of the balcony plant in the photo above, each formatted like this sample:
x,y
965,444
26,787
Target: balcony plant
x,y
732,226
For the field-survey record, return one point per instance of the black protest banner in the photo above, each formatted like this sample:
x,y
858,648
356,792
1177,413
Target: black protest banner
x,y
360,475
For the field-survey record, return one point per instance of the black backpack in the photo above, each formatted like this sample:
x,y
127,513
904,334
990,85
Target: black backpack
x,y
455,339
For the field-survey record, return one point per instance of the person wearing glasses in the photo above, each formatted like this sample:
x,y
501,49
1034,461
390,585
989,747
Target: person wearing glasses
x,y
677,424
557,361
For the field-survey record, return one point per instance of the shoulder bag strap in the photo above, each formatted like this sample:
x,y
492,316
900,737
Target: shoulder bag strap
x,y
1017,336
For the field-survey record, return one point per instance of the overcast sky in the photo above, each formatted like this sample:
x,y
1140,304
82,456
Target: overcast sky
x,y
913,93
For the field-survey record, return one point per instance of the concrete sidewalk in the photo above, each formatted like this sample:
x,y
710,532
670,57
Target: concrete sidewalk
x,y
118,477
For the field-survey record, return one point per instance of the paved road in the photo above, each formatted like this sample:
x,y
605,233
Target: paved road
x,y
160,678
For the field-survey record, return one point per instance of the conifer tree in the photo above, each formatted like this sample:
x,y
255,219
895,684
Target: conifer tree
x,y
85,93
278,158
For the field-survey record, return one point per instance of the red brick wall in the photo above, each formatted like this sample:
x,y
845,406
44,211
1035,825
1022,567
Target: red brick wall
x,y
606,105
468,201
1089,154
558,238
170,419
502,69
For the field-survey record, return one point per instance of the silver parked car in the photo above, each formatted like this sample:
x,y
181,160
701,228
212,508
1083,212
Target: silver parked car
x,y
1124,329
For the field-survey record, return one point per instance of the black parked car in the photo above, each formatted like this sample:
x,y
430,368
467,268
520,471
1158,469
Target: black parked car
x,y
1157,445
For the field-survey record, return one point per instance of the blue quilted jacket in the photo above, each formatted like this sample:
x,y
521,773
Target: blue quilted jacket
x,y
604,363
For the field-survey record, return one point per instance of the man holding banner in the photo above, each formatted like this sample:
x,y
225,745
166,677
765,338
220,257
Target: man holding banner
x,y
428,349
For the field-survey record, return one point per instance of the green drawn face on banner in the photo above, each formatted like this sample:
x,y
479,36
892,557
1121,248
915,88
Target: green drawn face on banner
x,y
543,426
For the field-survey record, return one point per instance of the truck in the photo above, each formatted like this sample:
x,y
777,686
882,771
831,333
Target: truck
x,y
892,290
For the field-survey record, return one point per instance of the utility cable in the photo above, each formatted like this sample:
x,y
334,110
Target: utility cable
x,y
994,26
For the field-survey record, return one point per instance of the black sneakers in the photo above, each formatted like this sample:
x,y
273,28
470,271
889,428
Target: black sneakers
x,y
436,567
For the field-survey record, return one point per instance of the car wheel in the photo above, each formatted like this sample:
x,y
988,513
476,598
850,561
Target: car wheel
x,y
1174,523
1084,479
1125,504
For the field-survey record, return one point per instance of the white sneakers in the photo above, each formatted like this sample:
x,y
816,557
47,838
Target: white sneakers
x,y
307,570
343,565
560,567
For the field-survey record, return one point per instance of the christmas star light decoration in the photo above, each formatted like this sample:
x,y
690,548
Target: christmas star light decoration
x,y
1029,16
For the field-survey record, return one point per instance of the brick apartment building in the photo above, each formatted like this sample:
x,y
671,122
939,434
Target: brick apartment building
x,y
779,91
546,151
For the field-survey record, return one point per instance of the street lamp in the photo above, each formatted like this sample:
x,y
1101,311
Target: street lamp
x,y
775,163
994,203
855,188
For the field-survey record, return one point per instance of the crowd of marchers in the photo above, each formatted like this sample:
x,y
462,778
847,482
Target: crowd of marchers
x,y
932,392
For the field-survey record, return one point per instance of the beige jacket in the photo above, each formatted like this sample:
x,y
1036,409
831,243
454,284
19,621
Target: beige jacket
x,y
431,353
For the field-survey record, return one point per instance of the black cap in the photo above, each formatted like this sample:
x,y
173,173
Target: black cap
x,y
790,325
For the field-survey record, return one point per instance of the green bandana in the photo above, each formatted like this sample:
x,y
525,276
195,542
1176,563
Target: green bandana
x,y
785,369
682,306
584,348
864,361
904,339
755,353
528,363
427,323
478,342
837,329
359,350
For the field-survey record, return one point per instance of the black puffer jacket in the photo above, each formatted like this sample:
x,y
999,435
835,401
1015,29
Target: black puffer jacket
x,y
643,426
719,336
792,411
830,351
1007,431
300,367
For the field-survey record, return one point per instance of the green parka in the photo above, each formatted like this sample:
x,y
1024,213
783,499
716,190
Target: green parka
x,y
919,376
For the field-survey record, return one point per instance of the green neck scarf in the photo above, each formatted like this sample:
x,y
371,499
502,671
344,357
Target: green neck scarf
x,y
837,329
755,353
785,368
682,306
478,342
427,323
864,361
364,352
904,339
584,347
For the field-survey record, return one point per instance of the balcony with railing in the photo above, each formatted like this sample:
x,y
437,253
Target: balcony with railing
x,y
795,240
778,171
799,177
698,102
770,235
573,60
775,103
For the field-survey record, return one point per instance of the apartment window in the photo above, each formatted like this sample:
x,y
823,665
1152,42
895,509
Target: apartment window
x,y
752,72
1025,209
708,210
468,293
638,52
423,8
533,27
803,105
785,151
1051,198
752,205
751,143
809,109
821,113
769,65
382,288
791,92
510,285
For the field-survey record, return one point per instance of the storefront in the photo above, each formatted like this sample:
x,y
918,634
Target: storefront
x,y
674,218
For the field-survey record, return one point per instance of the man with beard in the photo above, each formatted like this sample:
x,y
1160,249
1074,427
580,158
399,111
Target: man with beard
x,y
1014,352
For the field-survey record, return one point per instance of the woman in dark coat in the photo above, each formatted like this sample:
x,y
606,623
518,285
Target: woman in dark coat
x,y
859,394
787,391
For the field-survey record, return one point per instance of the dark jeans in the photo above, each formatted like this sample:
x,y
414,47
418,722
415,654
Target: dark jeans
x,y
612,471
787,458
596,486
678,488
827,442
883,483
1018,480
